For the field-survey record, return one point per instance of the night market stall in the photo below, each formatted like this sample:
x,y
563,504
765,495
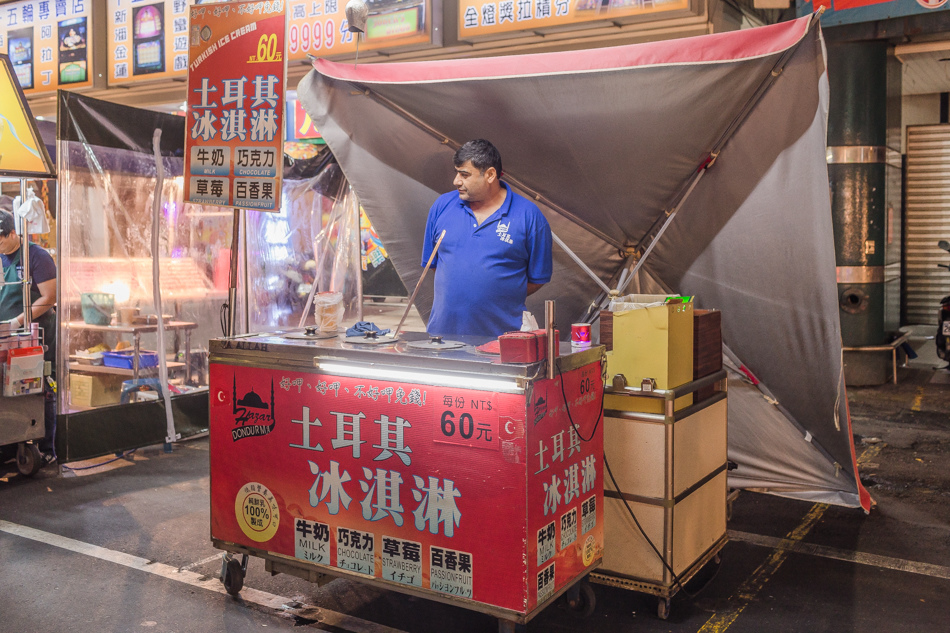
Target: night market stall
x,y
691,166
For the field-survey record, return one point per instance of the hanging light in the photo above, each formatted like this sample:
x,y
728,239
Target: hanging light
x,y
357,11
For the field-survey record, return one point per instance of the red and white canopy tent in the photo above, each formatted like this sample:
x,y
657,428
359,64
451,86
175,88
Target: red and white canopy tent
x,y
694,166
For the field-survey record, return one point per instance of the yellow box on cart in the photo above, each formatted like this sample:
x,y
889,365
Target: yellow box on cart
x,y
652,342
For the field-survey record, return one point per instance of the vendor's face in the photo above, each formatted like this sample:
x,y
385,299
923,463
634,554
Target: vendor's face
x,y
9,243
474,185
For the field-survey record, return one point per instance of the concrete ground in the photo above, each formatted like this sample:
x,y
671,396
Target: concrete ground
x,y
125,547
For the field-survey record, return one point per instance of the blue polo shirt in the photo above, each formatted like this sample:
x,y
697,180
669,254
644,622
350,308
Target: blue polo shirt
x,y
482,271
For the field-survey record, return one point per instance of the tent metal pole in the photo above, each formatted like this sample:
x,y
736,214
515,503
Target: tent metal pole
x,y
677,202
579,262
358,246
25,261
233,274
246,276
666,224
445,140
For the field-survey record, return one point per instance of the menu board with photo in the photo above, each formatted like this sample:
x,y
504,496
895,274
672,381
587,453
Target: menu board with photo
x,y
147,40
48,42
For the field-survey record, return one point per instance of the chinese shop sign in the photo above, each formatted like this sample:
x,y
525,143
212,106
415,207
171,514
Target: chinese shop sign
x,y
320,28
489,497
147,40
490,17
838,12
49,43
234,135
303,127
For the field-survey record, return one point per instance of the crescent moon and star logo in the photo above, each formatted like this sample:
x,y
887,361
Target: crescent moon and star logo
x,y
510,428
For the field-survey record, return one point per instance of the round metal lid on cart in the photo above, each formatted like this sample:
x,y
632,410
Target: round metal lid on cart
x,y
435,344
311,333
371,338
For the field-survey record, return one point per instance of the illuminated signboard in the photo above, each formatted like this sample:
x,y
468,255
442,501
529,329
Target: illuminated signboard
x,y
22,153
236,74
478,18
303,127
147,40
319,28
839,12
48,42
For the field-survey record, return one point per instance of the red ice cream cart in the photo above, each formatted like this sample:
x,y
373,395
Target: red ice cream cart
x,y
417,467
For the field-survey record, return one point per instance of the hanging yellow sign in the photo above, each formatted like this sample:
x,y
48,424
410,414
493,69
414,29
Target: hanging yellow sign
x,y
22,154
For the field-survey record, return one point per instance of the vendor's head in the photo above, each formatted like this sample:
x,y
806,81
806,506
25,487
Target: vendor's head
x,y
9,241
477,170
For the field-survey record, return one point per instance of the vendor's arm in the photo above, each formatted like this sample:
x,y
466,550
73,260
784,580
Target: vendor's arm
x,y
431,234
540,261
44,303
43,272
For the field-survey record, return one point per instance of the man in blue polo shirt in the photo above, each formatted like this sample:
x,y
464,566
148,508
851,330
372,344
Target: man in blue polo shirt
x,y
496,250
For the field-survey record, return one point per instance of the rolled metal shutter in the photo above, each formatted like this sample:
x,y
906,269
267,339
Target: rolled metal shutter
x,y
928,221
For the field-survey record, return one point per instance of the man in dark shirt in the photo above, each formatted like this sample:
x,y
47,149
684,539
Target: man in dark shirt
x,y
43,301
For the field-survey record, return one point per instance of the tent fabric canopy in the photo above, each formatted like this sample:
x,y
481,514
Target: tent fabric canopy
x,y
721,136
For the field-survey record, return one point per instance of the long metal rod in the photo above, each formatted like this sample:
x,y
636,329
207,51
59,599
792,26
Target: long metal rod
x,y
245,276
683,194
233,273
511,179
415,291
170,434
552,344
579,261
359,241
25,262
695,181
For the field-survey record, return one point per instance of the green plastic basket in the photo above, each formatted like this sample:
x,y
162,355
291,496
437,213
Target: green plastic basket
x,y
97,307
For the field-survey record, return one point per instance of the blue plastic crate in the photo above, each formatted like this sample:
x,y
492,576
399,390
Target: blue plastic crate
x,y
124,359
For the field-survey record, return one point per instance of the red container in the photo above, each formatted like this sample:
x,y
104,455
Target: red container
x,y
543,344
525,347
518,347
580,333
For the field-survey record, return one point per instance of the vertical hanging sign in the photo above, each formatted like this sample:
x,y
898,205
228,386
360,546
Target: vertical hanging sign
x,y
236,73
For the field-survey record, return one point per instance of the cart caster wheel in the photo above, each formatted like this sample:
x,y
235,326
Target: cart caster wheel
x,y
583,603
233,577
663,608
29,460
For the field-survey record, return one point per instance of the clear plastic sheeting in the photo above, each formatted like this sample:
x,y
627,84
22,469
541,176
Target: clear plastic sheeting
x,y
108,351
312,245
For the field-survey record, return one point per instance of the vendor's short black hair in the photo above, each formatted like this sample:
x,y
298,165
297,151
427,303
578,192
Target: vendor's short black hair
x,y
7,223
482,154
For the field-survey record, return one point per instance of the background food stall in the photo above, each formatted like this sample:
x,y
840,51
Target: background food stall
x,y
312,243
23,373
691,163
109,351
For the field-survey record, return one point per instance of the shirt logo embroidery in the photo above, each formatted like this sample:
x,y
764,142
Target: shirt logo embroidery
x,y
502,231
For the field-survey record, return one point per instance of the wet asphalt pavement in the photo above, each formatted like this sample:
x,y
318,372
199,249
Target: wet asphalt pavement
x,y
126,547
